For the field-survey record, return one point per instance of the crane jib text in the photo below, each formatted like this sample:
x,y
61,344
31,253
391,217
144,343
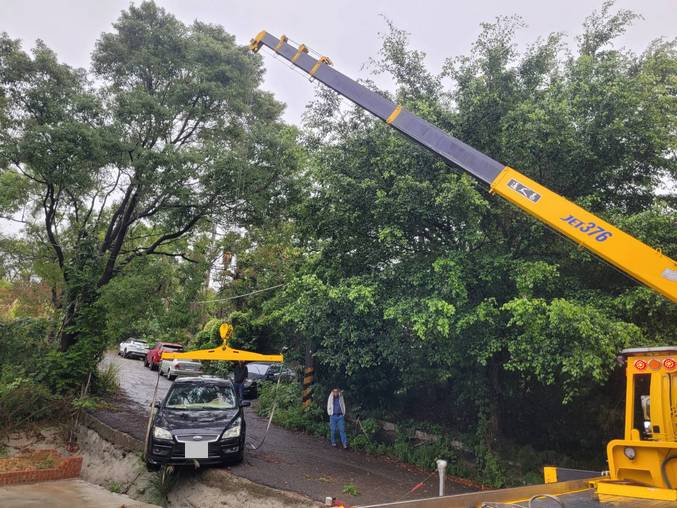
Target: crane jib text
x,y
525,191
589,228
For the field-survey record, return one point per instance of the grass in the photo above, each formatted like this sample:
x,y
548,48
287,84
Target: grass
x,y
115,487
351,489
107,380
46,463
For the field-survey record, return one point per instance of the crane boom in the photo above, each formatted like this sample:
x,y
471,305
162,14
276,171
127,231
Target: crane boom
x,y
620,249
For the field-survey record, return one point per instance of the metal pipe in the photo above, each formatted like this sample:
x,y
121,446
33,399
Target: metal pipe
x,y
442,471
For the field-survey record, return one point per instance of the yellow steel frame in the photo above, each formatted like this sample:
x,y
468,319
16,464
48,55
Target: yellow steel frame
x,y
224,352
645,264
635,464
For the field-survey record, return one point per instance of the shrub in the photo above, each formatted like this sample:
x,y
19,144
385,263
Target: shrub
x,y
23,400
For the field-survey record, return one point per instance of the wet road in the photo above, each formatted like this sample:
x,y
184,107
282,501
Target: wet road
x,y
288,460
137,381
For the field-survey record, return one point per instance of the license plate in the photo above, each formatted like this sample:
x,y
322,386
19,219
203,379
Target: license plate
x,y
197,450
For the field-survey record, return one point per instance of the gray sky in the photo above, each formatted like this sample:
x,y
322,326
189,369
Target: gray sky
x,y
346,31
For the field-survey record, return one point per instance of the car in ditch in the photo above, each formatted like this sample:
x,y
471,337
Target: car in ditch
x,y
180,367
154,355
200,419
133,348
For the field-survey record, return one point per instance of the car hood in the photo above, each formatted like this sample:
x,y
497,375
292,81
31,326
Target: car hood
x,y
187,422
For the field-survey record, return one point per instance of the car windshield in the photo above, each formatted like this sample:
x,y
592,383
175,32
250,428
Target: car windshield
x,y
257,370
198,396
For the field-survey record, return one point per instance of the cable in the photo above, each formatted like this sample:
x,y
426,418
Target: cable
x,y
270,418
664,471
241,296
546,496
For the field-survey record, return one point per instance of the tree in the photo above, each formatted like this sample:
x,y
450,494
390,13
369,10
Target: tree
x,y
423,290
167,135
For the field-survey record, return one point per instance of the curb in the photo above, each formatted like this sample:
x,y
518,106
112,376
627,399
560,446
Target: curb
x,y
114,436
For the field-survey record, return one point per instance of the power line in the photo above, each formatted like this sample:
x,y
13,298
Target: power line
x,y
241,296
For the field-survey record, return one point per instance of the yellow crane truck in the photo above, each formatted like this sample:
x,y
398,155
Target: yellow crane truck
x,y
642,465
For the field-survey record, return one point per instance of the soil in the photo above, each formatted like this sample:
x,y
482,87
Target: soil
x,y
31,461
113,468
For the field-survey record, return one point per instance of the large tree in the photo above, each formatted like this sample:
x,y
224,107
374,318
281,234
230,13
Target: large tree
x,y
167,133
420,287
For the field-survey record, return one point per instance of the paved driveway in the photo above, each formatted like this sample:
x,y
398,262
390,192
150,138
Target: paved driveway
x,y
65,494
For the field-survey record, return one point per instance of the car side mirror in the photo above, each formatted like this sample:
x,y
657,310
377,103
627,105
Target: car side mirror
x,y
245,403
156,404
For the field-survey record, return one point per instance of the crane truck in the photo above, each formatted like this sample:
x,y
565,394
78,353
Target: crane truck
x,y
642,465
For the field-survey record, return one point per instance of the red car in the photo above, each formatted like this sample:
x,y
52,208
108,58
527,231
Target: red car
x,y
153,355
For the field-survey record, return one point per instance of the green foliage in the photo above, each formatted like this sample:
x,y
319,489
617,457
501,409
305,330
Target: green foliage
x,y
114,486
106,380
22,400
289,412
165,139
46,463
350,489
425,297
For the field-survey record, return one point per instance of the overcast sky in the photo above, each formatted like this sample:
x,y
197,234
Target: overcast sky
x,y
346,31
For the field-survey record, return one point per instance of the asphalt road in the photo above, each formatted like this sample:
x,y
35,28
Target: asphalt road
x,y
288,460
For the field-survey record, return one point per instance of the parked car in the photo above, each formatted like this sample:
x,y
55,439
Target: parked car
x,y
250,389
153,355
263,371
199,419
133,348
270,371
179,367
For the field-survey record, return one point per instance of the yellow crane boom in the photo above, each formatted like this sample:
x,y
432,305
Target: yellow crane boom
x,y
636,259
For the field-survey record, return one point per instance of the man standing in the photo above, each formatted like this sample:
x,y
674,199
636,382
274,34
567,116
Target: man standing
x,y
336,409
240,373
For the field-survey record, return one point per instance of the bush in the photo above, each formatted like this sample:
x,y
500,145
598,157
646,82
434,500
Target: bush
x,y
106,380
290,412
23,400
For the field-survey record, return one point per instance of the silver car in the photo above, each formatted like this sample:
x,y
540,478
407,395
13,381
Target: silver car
x,y
133,348
180,367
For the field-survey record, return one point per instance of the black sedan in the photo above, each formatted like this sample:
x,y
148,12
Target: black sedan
x,y
200,419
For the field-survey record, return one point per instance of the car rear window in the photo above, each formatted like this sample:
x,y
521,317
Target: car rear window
x,y
172,348
192,396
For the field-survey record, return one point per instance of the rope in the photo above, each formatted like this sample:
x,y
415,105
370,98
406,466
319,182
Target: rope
x,y
270,418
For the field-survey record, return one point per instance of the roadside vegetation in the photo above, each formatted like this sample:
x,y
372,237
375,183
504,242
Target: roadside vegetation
x,y
158,188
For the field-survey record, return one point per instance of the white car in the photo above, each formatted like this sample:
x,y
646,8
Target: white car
x,y
180,367
133,348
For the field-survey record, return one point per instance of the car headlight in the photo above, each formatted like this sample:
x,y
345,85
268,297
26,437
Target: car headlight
x,y
160,433
233,430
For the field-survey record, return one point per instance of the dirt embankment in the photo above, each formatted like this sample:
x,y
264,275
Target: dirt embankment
x,y
123,471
